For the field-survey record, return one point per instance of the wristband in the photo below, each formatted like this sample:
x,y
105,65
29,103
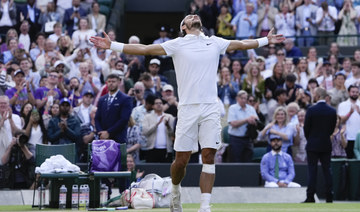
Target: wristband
x,y
16,95
116,46
262,41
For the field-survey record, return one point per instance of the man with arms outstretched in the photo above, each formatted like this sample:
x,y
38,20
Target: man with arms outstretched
x,y
196,59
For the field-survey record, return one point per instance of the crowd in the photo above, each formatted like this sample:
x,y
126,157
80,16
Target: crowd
x,y
57,88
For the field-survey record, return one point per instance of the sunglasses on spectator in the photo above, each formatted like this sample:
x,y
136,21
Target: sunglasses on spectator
x,y
281,54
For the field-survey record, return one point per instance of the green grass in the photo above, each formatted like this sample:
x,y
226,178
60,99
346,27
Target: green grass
x,y
319,207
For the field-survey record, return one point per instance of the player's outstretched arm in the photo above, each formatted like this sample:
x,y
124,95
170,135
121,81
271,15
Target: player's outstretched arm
x,y
133,49
255,43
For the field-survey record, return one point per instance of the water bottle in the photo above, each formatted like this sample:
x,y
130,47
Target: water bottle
x,y
62,197
75,197
84,197
42,201
103,195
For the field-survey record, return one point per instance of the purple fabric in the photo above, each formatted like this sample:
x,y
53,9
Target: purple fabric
x,y
42,92
106,156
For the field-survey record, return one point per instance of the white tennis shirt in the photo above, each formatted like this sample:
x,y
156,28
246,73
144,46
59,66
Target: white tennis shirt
x,y
196,61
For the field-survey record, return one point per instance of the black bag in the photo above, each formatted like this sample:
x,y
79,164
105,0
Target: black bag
x,y
252,129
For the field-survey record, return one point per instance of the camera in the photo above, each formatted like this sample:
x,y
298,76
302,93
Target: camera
x,y
137,91
23,139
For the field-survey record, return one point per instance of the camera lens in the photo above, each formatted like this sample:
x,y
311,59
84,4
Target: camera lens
x,y
137,91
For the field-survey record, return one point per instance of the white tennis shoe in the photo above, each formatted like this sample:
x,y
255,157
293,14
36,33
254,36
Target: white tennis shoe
x,y
175,203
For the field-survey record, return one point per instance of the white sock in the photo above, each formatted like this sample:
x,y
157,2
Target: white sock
x,y
175,188
205,200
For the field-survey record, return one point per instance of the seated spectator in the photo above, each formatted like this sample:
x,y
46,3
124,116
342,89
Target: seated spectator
x,y
158,127
325,79
254,84
277,167
74,92
7,16
20,161
236,72
137,94
292,50
50,112
169,100
149,85
245,22
355,78
135,174
50,54
12,45
334,62
57,32
24,37
97,21
312,61
10,34
292,109
135,63
277,80
21,93
72,17
347,15
81,36
64,128
281,98
338,93
223,24
30,13
40,39
49,18
240,115
101,66
25,111
291,88
65,46
346,68
338,140
285,21
35,130
298,148
302,72
133,140
227,89
87,80
159,80
266,18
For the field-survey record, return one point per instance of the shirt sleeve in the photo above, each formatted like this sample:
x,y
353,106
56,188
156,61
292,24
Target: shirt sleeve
x,y
231,115
342,110
222,43
171,46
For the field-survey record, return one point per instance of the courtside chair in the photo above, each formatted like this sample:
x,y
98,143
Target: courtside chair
x,y
43,152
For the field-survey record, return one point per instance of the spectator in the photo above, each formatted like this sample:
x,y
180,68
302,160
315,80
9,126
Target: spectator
x,y
298,148
81,36
239,6
113,112
302,73
158,127
277,167
25,111
49,18
87,129
266,18
40,46
163,36
87,80
347,15
350,114
325,80
21,93
72,17
62,6
137,94
9,122
159,80
338,140
281,97
237,72
35,130
312,85
254,84
280,55
64,128
24,37
65,45
49,54
269,61
338,93
281,127
285,21
245,22
50,93
50,112
334,49
33,77
12,46
355,78
133,140
135,174
208,14
21,163
252,101
346,68
239,117
57,33
10,34
357,147
138,114
169,100
149,85
277,80
32,14
326,16
306,23
97,21
227,90
7,15
102,68
291,88
334,61
223,24
292,110
292,50
74,93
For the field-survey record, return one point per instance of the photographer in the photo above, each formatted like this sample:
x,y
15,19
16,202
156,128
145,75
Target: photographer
x,y
137,94
20,161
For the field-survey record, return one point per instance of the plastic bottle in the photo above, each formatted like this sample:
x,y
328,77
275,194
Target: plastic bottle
x,y
62,197
84,197
103,195
75,197
42,196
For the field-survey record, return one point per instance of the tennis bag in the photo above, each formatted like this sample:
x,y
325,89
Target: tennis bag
x,y
138,199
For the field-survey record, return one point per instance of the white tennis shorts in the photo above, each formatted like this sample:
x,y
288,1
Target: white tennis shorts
x,y
198,123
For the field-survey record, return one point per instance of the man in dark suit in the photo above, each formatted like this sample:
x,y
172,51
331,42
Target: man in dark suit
x,y
32,14
72,17
319,124
113,113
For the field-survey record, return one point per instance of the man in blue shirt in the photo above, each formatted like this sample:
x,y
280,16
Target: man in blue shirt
x,y
277,167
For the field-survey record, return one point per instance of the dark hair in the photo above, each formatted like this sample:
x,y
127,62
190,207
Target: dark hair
x,y
113,76
355,63
23,107
352,86
41,124
150,99
145,76
279,91
290,77
40,34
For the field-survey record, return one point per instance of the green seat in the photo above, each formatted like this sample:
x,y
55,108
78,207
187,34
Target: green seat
x,y
225,134
105,2
259,152
46,151
105,10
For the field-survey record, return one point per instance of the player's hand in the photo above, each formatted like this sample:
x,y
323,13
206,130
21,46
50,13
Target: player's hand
x,y
102,43
274,39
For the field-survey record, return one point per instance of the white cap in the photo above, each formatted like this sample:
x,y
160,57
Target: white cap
x,y
58,62
168,87
119,73
155,61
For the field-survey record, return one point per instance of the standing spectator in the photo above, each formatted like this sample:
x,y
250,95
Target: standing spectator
x,y
240,115
298,148
50,112
223,24
254,84
35,130
277,167
8,121
347,15
65,128
57,33
33,77
32,14
302,73
24,37
237,72
326,16
291,88
113,112
50,93
65,45
7,15
21,93
12,46
227,89
277,80
146,79
346,68
169,100
208,14
40,46
10,34
159,80
355,78
266,18
245,22
97,21
312,61
49,18
338,140
349,111
306,23
72,17
281,96
74,92
320,122
137,94
81,36
285,21
158,127
338,93
325,79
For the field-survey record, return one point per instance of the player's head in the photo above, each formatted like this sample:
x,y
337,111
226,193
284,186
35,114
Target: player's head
x,y
190,22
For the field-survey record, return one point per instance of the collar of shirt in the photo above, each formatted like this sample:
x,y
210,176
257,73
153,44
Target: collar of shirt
x,y
189,36
76,8
321,100
82,107
273,153
114,94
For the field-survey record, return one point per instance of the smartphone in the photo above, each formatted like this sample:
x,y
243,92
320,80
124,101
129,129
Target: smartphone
x,y
51,100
